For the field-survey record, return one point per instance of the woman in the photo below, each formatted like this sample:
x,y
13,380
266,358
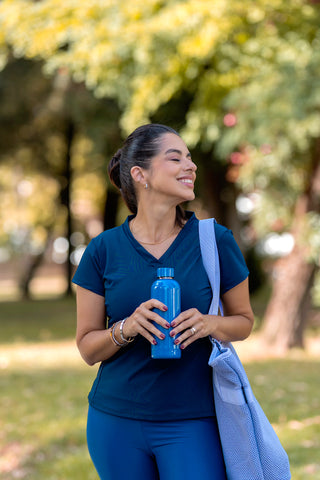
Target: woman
x,y
154,419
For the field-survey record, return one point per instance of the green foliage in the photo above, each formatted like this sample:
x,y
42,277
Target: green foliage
x,y
259,60
33,141
277,122
249,72
144,53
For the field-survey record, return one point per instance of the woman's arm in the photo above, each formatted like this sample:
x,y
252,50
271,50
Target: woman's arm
x,y
238,319
238,316
236,324
94,341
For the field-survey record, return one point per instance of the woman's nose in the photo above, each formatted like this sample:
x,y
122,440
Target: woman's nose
x,y
190,165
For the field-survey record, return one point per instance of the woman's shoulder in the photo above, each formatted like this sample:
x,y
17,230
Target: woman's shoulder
x,y
220,230
107,236
110,233
104,242
224,238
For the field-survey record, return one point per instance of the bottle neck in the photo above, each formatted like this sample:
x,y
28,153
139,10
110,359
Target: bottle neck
x,y
164,278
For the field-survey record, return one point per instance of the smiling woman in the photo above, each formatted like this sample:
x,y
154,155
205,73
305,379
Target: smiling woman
x,y
171,168
146,414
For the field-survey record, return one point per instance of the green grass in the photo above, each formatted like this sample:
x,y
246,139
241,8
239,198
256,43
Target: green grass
x,y
43,405
288,391
45,416
43,400
37,320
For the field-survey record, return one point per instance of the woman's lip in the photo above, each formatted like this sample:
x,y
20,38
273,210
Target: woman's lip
x,y
186,178
186,181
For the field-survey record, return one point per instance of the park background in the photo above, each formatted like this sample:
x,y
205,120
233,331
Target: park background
x,y
240,80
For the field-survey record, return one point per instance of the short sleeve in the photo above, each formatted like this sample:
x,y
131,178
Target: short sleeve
x,y
89,273
233,268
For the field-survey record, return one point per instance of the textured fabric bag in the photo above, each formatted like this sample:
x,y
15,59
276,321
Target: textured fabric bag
x,y
251,448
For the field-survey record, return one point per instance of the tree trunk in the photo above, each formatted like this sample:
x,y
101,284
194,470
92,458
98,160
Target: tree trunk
x,y
28,274
220,197
286,315
33,263
65,198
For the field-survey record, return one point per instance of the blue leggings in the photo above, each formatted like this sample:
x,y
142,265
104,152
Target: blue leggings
x,y
126,449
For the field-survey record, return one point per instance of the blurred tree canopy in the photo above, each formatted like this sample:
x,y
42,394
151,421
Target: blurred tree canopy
x,y
52,141
248,76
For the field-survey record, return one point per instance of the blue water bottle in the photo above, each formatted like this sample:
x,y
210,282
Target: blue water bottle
x,y
167,290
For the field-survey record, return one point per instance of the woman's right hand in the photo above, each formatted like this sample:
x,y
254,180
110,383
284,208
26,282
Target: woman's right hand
x,y
140,322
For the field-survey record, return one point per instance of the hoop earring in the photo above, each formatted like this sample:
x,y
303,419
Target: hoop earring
x,y
146,186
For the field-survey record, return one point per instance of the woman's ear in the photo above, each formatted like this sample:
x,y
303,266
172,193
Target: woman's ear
x,y
138,175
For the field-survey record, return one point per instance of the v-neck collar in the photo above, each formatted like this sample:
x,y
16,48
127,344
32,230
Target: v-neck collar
x,y
147,255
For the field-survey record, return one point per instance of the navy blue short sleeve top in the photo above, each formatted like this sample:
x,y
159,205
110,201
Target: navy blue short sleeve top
x,y
130,383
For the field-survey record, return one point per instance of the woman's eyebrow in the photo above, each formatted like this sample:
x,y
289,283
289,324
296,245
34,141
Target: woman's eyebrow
x,y
174,150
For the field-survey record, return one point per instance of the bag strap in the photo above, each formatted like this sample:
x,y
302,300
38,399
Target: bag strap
x,y
210,259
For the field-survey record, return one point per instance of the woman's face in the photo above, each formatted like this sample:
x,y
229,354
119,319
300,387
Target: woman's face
x,y
172,173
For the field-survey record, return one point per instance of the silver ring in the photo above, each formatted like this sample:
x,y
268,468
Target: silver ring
x,y
193,330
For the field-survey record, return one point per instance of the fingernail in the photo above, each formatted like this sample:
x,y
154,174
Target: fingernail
x,y
176,342
165,308
154,342
168,325
173,324
172,333
162,336
182,347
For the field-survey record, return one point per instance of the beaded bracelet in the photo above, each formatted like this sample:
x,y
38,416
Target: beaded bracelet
x,y
125,340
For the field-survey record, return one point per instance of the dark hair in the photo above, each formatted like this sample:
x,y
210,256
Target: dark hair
x,y
138,149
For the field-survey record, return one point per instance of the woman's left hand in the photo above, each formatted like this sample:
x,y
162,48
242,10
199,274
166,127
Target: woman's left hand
x,y
191,325
235,325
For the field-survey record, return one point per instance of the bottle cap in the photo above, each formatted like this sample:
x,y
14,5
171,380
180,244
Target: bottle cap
x,y
165,272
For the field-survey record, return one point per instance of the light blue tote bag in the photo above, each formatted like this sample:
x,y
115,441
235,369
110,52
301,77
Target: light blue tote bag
x,y
251,448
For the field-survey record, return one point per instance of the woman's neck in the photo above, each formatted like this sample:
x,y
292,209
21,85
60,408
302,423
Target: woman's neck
x,y
154,225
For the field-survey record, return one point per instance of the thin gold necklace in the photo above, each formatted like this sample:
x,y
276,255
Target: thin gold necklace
x,y
153,243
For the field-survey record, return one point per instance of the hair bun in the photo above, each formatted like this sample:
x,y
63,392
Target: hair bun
x,y
114,169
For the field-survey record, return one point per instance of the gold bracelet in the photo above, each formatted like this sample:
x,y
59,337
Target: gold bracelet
x,y
111,336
